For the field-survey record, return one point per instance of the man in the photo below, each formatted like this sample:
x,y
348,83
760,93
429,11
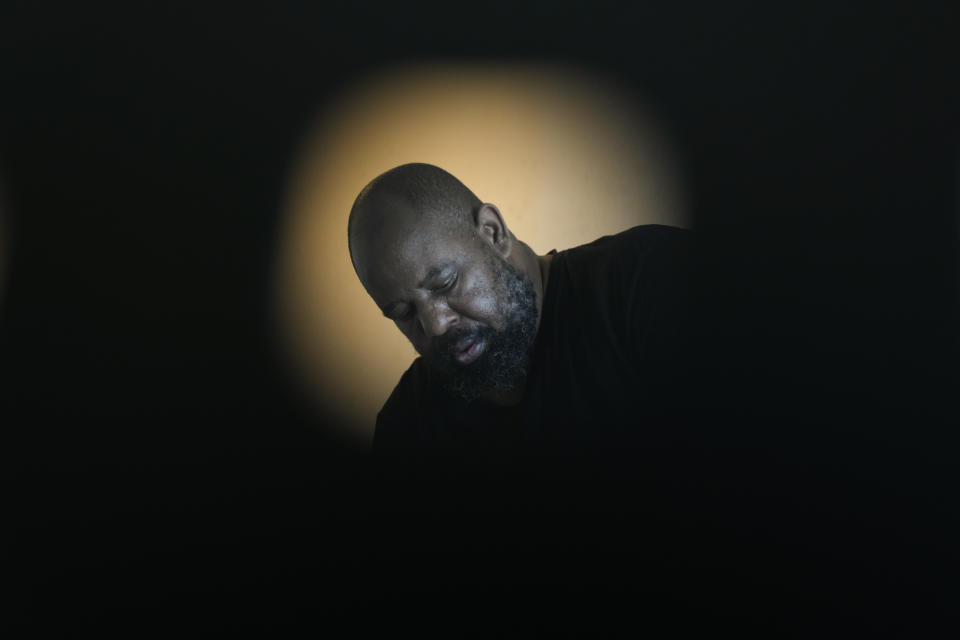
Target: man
x,y
672,484
579,348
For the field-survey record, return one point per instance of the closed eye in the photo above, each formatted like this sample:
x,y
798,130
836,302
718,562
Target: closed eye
x,y
402,317
448,283
445,286
391,312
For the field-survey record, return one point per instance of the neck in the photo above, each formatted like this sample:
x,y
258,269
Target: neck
x,y
544,262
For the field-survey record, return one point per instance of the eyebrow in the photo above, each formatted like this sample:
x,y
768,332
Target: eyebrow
x,y
432,273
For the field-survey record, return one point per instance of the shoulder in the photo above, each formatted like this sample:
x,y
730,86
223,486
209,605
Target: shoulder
x,y
638,286
652,241
627,263
400,421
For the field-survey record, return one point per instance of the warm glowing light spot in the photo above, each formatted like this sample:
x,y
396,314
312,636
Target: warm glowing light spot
x,y
565,156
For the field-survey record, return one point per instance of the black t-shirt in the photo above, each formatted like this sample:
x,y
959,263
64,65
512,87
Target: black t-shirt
x,y
707,469
613,346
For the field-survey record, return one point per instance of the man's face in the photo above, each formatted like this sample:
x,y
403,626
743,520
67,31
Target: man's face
x,y
470,313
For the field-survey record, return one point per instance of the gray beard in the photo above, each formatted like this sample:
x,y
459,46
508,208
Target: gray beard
x,y
504,362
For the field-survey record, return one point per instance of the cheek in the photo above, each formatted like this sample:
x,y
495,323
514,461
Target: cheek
x,y
480,303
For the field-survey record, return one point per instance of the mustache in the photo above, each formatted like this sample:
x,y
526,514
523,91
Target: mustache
x,y
447,344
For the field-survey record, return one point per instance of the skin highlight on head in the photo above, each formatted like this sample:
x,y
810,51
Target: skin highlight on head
x,y
446,269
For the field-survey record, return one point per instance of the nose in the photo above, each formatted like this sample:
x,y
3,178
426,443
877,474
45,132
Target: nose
x,y
436,317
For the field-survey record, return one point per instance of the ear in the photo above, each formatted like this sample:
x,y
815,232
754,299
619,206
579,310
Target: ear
x,y
493,229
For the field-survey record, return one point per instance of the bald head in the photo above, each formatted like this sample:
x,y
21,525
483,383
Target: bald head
x,y
406,194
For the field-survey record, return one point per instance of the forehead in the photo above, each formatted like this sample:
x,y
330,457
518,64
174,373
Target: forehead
x,y
403,251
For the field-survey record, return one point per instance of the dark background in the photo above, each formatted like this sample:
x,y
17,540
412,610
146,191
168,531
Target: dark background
x,y
164,475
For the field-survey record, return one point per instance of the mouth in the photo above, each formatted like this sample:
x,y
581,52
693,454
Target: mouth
x,y
468,350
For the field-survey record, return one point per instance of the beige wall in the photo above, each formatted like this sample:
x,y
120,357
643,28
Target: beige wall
x,y
566,156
